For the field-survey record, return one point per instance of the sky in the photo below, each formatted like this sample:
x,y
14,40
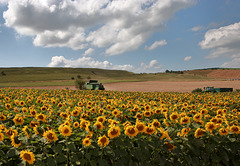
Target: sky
x,y
140,36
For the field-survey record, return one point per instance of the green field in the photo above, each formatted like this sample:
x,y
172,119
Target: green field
x,y
36,76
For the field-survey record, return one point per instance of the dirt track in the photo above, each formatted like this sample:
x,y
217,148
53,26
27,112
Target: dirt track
x,y
159,86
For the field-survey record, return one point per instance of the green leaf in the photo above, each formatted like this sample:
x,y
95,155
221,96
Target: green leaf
x,y
195,125
93,163
12,152
23,163
51,161
61,158
88,156
82,161
57,148
71,146
102,162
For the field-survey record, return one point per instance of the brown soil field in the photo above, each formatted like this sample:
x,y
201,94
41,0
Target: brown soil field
x,y
157,86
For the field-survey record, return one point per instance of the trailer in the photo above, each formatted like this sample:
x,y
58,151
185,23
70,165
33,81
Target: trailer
x,y
94,85
212,89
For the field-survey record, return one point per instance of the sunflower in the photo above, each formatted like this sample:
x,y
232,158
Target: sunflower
x,y
10,132
34,124
66,131
139,116
98,125
60,105
150,130
27,156
84,124
235,129
50,136
131,131
15,141
169,146
8,106
197,117
147,113
18,120
210,126
101,119
26,131
75,112
86,141
157,111
114,131
41,117
199,133
184,132
1,136
140,126
84,116
174,116
223,131
75,124
103,141
33,112
185,120
22,103
2,117
164,134
156,123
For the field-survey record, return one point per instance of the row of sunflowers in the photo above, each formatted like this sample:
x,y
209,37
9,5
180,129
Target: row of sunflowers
x,y
68,127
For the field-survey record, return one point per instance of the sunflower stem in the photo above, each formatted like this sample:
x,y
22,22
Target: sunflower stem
x,y
67,150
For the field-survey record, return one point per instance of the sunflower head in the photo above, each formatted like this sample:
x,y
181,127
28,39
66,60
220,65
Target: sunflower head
x,y
103,141
66,130
131,131
50,136
114,131
27,156
86,142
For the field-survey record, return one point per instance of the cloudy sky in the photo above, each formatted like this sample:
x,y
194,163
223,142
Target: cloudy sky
x,y
133,35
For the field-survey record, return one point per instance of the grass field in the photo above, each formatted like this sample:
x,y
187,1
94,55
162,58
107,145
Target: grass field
x,y
35,76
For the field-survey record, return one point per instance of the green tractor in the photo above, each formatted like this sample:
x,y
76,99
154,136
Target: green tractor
x,y
212,89
94,85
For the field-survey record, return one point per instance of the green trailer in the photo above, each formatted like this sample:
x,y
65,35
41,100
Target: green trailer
x,y
94,85
212,89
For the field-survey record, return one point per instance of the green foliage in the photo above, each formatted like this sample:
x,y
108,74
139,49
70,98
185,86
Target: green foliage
x,y
80,84
197,90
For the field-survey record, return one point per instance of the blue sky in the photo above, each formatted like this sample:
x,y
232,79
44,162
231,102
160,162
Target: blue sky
x,y
137,35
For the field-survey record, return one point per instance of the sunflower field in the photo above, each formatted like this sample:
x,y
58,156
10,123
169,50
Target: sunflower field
x,y
80,127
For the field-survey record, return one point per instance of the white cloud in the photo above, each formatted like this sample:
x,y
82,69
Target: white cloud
x,y
88,51
187,58
223,41
85,62
156,44
118,26
234,63
197,28
152,67
88,62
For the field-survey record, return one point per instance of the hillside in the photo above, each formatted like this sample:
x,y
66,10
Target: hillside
x,y
36,76
216,73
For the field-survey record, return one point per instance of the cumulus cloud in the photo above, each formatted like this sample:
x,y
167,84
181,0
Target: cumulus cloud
x,y
234,63
156,44
85,62
152,67
223,41
88,51
197,28
88,62
187,58
118,26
